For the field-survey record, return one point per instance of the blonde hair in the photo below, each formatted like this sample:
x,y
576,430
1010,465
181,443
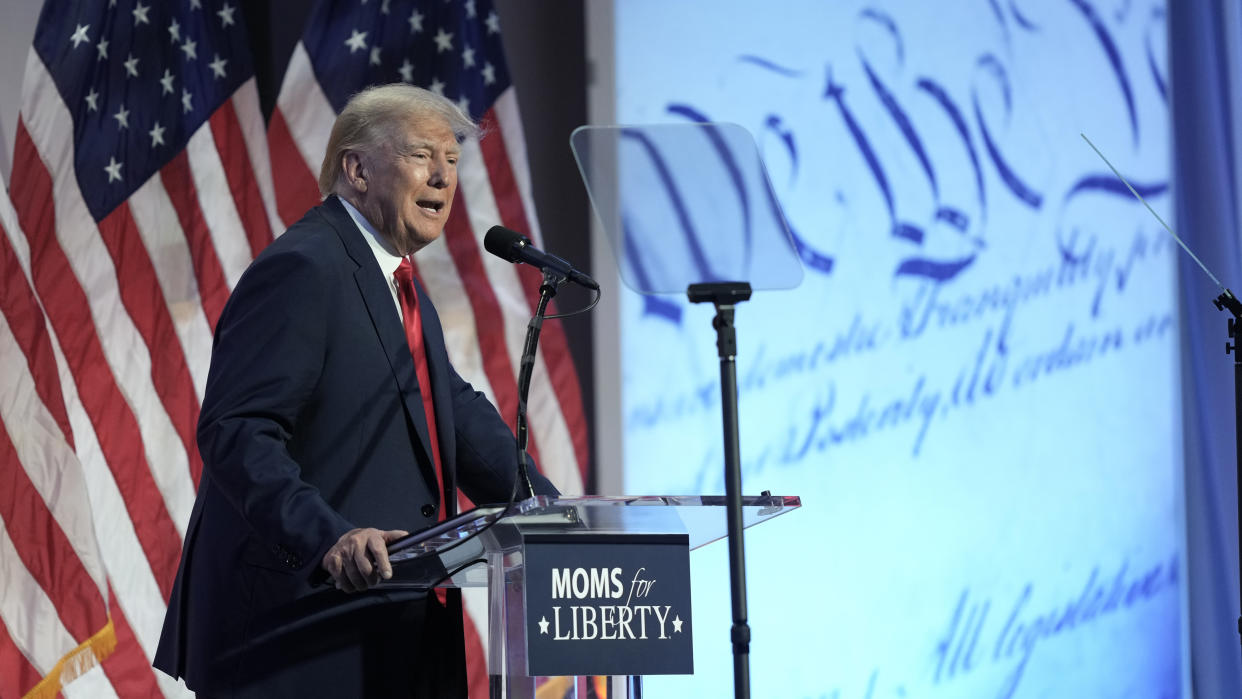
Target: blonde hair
x,y
369,117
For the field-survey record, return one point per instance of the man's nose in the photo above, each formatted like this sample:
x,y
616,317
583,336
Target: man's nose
x,y
439,176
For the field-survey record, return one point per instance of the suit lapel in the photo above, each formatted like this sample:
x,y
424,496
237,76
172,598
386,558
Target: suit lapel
x,y
378,299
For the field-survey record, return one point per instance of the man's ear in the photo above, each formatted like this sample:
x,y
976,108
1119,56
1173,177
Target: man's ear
x,y
356,172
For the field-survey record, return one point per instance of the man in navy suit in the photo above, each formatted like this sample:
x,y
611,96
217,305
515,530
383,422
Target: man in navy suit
x,y
316,440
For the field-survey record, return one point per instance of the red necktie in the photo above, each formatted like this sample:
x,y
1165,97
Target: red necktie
x,y
413,321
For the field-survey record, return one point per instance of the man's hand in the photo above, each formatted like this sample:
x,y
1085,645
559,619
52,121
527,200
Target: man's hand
x,y
359,559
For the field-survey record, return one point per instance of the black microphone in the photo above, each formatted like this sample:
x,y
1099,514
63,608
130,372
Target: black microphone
x,y
515,247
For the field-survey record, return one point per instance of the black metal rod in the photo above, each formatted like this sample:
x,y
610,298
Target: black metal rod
x,y
725,295
551,282
740,633
1228,302
1237,437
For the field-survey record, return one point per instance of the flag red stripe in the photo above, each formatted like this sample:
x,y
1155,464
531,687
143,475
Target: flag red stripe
x,y
111,417
296,186
231,145
128,669
144,301
489,322
25,317
553,343
45,550
17,675
213,289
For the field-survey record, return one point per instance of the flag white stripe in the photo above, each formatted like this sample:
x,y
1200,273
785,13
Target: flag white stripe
x,y
448,295
215,200
306,109
254,132
46,119
32,619
90,685
46,457
510,121
129,573
546,419
561,456
166,245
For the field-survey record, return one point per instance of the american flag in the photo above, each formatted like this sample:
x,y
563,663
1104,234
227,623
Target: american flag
x,y
143,186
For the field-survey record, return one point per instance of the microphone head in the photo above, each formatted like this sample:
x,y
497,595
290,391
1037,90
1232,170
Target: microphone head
x,y
504,243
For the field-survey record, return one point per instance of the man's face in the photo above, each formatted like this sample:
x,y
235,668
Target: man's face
x,y
410,181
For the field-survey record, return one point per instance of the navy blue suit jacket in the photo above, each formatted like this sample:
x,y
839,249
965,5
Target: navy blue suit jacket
x,y
312,424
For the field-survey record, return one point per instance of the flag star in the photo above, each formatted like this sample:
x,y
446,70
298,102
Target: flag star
x,y
492,22
196,4
140,14
79,35
464,104
102,48
436,86
122,118
92,100
406,70
174,30
416,22
226,15
467,57
113,168
444,41
357,41
131,66
375,55
157,135
167,82
677,622
217,65
384,7
185,100
489,74
543,625
470,11
190,49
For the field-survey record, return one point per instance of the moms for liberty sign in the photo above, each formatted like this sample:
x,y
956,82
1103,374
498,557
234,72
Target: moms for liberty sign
x,y
975,389
608,604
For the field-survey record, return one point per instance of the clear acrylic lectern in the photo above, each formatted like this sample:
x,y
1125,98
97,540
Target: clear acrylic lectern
x,y
486,547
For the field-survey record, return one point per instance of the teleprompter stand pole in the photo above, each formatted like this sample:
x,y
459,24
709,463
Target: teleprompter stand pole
x,y
725,295
1228,302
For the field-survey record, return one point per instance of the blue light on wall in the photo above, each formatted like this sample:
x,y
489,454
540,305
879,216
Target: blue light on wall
x,y
975,389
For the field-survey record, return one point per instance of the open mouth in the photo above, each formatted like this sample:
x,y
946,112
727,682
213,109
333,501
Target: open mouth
x,y
432,207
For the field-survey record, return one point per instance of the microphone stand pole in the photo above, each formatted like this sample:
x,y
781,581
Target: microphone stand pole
x,y
725,295
1228,302
551,282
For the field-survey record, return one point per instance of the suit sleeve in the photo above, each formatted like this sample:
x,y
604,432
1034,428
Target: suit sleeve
x,y
267,358
486,448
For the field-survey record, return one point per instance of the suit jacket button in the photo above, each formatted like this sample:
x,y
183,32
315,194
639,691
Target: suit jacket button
x,y
429,510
